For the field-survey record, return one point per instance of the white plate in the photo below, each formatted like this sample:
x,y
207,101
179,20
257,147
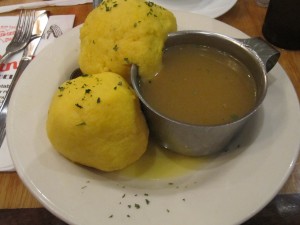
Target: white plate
x,y
227,190
210,8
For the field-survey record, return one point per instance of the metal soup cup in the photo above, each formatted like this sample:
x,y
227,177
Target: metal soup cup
x,y
198,140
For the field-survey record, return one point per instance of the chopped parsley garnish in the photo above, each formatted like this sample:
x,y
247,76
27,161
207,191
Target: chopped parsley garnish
x,y
107,8
115,48
127,60
81,124
136,24
150,4
61,88
79,106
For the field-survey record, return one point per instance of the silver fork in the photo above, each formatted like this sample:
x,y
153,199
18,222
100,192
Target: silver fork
x,y
22,35
20,40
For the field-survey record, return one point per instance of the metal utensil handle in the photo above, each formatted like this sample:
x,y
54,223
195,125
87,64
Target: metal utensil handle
x,y
267,53
3,110
96,3
5,57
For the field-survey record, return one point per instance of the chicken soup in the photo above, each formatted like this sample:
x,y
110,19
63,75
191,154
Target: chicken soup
x,y
200,85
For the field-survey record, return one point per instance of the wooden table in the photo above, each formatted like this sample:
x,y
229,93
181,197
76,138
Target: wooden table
x,y
245,16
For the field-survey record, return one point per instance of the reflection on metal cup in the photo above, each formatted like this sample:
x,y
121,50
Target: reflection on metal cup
x,y
282,24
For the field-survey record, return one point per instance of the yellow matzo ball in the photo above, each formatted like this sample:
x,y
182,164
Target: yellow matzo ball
x,y
123,32
95,120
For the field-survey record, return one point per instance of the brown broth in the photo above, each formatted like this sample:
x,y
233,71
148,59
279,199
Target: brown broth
x,y
200,85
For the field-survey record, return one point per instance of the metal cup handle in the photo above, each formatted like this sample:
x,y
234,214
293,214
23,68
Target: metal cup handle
x,y
267,53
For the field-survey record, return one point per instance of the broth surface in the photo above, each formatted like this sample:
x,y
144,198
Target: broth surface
x,y
200,85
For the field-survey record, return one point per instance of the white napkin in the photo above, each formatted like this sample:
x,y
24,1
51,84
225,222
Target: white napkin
x,y
41,4
57,25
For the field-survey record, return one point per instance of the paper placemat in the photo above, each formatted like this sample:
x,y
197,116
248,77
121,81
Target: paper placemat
x,y
57,26
41,4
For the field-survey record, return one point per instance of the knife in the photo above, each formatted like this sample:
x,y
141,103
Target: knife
x,y
37,32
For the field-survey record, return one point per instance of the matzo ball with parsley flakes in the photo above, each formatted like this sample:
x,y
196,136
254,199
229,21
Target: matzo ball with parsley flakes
x,y
96,121
119,33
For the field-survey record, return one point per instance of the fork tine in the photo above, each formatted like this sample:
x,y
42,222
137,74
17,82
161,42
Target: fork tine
x,y
24,24
27,27
24,28
30,24
22,34
19,26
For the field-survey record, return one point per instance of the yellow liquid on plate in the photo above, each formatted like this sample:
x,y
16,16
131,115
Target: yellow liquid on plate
x,y
158,163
